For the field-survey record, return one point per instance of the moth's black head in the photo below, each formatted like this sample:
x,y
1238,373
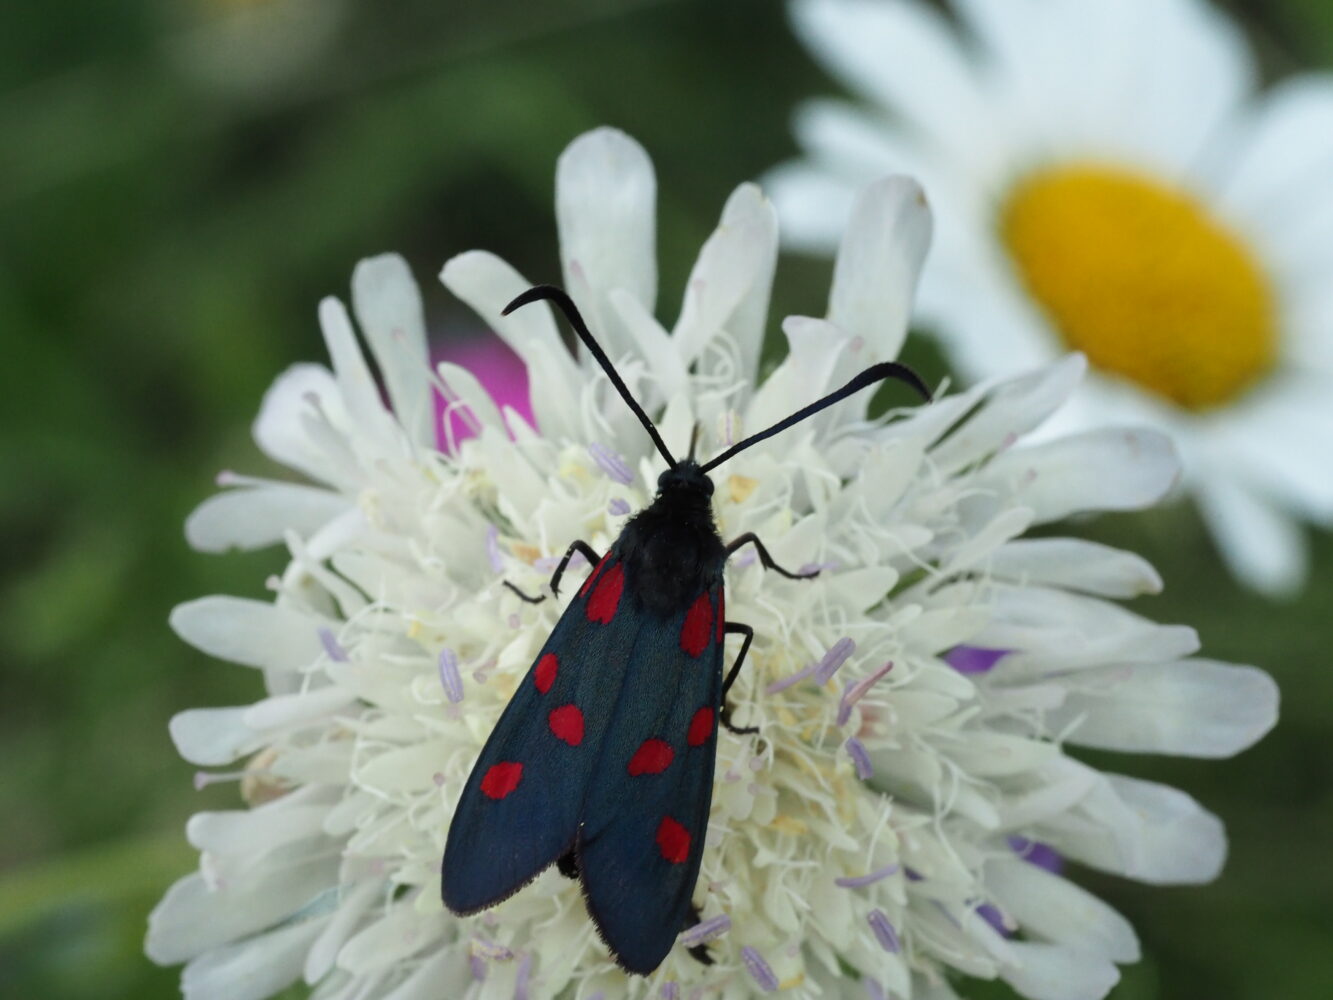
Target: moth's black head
x,y
685,475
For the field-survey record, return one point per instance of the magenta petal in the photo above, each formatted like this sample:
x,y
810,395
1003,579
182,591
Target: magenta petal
x,y
501,373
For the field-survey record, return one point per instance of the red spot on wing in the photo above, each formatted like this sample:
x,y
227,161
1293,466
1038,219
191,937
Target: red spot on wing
x,y
544,675
587,584
673,840
701,727
698,628
501,779
567,724
721,614
606,595
652,757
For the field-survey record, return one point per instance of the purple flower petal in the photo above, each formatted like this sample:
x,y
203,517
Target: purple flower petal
x,y
706,930
855,692
786,682
618,507
857,751
759,969
974,659
860,881
992,916
332,646
884,932
873,990
837,655
612,464
1034,852
521,979
493,548
449,677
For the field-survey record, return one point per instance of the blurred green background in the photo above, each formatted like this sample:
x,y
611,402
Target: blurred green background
x,y
177,192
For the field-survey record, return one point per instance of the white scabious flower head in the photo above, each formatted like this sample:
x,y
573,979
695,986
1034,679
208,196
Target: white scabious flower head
x,y
920,704
1110,181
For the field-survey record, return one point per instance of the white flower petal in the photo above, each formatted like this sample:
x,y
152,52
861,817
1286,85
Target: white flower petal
x,y
401,933
1193,708
748,321
1077,565
1141,830
1058,911
605,206
194,918
1110,469
445,974
256,517
1009,410
212,737
352,907
1055,972
279,429
874,278
253,969
295,816
465,390
360,393
387,303
731,275
252,633
488,284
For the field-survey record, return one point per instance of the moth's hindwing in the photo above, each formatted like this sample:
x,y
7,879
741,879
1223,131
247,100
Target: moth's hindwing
x,y
647,805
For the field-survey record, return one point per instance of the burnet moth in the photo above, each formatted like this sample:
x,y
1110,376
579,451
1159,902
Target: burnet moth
x,y
602,763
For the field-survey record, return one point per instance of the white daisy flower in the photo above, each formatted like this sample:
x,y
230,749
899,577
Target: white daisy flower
x,y
917,703
1108,181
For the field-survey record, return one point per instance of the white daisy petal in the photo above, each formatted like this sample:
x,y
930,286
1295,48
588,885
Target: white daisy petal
x,y
1108,181
1263,546
814,206
928,80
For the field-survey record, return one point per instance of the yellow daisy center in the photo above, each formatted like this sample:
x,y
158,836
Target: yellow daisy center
x,y
1144,281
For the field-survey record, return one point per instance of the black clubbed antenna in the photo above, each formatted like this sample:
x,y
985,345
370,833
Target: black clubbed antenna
x,y
875,373
566,305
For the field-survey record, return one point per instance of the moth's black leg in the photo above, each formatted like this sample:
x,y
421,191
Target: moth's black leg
x,y
750,537
578,545
736,628
568,863
525,597
700,951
